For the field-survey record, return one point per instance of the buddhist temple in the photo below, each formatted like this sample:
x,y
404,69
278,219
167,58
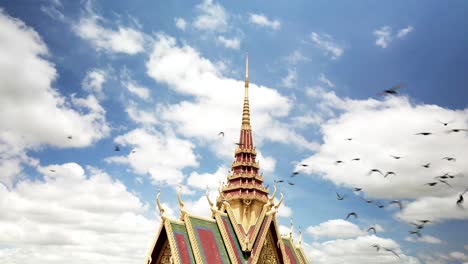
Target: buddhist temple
x,y
243,227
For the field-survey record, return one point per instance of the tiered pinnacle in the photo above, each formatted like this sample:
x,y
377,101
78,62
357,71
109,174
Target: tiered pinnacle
x,y
244,190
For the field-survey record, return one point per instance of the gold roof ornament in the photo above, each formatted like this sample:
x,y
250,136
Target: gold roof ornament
x,y
292,230
181,203
300,238
158,203
246,110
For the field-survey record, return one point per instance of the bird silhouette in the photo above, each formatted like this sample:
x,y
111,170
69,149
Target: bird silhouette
x,y
116,148
349,139
415,232
372,228
280,181
427,165
431,183
339,162
351,214
400,204
449,159
340,197
457,130
392,251
375,170
445,123
424,133
367,201
70,137
393,90
291,183
356,159
294,173
389,173
418,226
221,134
52,170
304,165
379,205
445,182
425,221
460,199
357,189
396,157
133,151
376,246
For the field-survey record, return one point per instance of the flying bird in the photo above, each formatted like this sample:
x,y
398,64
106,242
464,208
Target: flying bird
x,y
397,202
460,199
424,221
221,134
338,161
116,148
445,182
431,183
351,214
133,151
357,189
367,201
291,183
294,173
427,165
424,133
379,205
372,228
340,197
449,159
375,170
52,170
349,139
392,251
304,165
396,157
389,173
415,232
418,226
457,130
376,246
280,181
393,90
69,137
356,159
445,123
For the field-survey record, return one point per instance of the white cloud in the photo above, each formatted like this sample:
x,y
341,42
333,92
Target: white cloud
x,y
296,57
336,228
232,43
425,239
384,35
328,44
459,256
216,103
45,116
54,9
212,17
323,79
138,90
357,251
161,155
141,116
262,20
180,23
290,80
93,216
436,209
404,31
124,39
93,81
210,181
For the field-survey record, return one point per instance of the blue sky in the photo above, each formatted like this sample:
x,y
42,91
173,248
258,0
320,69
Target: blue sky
x,y
160,79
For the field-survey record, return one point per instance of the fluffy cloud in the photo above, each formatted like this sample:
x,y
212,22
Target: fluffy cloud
x,y
93,216
290,80
217,100
180,23
160,155
232,43
375,145
336,228
358,250
384,35
296,57
45,116
262,20
93,81
212,17
128,40
425,239
327,44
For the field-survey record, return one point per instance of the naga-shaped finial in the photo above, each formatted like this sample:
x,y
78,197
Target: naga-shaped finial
x,y
181,203
300,237
272,197
292,230
158,203
280,201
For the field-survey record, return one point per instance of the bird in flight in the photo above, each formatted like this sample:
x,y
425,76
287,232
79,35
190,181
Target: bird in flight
x,y
280,181
70,137
396,157
340,197
424,133
304,165
427,165
338,161
449,159
445,123
351,214
52,170
379,205
393,90
445,176
349,139
376,246
415,232
389,173
116,148
397,202
372,228
367,201
221,134
133,151
375,170
356,159
294,173
460,199
424,221
431,183
291,183
418,226
392,251
457,130
357,189
445,182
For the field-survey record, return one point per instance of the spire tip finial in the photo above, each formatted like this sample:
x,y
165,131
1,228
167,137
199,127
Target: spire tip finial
x,y
246,68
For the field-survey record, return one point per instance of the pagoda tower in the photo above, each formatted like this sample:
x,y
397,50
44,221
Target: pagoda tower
x,y
242,229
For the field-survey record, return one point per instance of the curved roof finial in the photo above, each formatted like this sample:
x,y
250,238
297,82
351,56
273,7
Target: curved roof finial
x,y
292,230
181,203
158,203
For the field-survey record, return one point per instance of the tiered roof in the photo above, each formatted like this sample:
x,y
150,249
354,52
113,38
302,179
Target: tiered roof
x,y
243,226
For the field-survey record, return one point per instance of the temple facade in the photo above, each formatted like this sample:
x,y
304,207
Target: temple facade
x,y
242,228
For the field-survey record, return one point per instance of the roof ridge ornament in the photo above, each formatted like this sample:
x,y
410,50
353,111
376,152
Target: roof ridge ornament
x,y
181,203
158,203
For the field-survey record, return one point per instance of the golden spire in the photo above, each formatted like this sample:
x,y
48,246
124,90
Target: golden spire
x,y
246,111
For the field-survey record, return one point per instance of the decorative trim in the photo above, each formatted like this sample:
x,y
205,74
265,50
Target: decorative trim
x,y
155,240
227,241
